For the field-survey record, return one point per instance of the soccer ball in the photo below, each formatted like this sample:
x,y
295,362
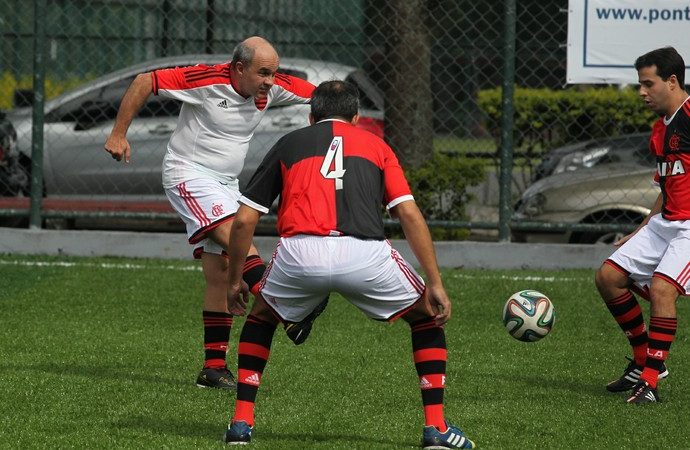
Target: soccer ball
x,y
528,315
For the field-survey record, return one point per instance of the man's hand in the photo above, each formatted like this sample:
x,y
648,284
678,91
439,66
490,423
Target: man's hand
x,y
440,302
238,298
118,147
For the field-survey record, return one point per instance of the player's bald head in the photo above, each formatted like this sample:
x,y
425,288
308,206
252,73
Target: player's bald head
x,y
252,48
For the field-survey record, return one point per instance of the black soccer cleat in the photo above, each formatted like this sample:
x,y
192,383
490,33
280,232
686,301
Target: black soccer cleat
x,y
630,377
643,393
238,433
216,378
298,332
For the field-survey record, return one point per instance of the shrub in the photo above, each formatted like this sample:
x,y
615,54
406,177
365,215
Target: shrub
x,y
546,118
440,188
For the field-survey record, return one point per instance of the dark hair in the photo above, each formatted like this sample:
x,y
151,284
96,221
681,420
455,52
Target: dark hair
x,y
667,61
243,53
334,98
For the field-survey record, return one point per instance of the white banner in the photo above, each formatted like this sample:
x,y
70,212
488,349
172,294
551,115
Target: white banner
x,y
605,37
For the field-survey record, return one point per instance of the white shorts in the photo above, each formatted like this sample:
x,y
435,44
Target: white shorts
x,y
370,274
203,204
660,249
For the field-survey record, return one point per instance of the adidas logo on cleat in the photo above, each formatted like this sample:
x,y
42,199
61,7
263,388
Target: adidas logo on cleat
x,y
223,104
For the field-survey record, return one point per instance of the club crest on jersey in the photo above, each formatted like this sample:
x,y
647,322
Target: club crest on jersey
x,y
674,142
217,210
670,168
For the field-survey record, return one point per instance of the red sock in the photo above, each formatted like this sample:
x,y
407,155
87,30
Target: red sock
x,y
662,331
429,353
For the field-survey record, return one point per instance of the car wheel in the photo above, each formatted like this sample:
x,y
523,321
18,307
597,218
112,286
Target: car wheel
x,y
606,237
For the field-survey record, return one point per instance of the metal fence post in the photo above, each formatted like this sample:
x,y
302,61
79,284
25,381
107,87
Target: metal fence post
x,y
37,122
507,108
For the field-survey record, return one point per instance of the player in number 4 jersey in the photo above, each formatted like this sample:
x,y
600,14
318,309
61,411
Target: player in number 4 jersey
x,y
333,180
654,260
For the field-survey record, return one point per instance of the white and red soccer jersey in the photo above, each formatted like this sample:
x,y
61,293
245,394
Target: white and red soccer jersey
x,y
215,122
670,143
333,179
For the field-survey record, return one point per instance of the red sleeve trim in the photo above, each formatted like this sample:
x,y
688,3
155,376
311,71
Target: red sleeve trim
x,y
192,76
297,86
154,82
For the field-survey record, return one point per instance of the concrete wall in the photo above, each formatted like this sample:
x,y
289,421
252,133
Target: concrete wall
x,y
469,255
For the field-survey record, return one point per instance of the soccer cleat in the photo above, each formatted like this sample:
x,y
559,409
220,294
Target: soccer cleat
x,y
453,437
298,332
238,433
216,378
643,393
630,377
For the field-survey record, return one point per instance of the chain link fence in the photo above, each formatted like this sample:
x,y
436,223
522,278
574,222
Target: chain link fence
x,y
431,76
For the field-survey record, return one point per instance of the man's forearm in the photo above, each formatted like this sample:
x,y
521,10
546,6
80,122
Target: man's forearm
x,y
132,101
418,237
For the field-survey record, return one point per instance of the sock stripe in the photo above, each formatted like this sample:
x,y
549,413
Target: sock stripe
x,y
429,354
251,349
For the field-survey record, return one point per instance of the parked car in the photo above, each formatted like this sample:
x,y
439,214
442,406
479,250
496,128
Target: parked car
x,y
618,193
13,178
594,152
78,122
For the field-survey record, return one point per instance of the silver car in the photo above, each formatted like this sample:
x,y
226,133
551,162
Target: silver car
x,y
78,122
615,193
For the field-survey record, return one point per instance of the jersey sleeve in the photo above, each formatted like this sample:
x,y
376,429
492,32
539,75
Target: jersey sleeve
x,y
266,183
656,144
291,90
396,188
183,83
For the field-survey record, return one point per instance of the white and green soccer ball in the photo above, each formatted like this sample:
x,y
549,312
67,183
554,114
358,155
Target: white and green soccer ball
x,y
528,315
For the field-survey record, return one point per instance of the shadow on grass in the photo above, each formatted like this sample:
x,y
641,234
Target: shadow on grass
x,y
586,386
263,434
111,372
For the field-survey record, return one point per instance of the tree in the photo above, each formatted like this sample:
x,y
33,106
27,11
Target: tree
x,y
409,114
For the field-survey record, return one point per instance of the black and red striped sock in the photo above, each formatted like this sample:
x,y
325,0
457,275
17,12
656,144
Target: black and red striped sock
x,y
662,331
628,314
216,334
429,353
252,356
252,273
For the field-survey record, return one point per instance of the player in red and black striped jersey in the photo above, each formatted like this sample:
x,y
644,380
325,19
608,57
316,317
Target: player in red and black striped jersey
x,y
222,105
334,180
654,260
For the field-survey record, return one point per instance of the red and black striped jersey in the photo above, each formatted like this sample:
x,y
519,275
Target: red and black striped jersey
x,y
333,179
670,143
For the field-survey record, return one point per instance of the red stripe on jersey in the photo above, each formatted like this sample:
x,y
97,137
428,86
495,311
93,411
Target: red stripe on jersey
x,y
247,348
260,103
430,354
295,85
192,76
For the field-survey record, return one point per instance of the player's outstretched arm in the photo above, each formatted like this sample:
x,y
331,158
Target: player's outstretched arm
x,y
418,236
132,101
241,235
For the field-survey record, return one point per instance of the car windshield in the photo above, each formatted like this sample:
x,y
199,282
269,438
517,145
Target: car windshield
x,y
369,95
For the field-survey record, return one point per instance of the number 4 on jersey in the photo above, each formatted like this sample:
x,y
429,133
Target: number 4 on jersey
x,y
334,158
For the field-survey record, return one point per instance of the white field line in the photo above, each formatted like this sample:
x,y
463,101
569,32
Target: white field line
x,y
197,268
549,279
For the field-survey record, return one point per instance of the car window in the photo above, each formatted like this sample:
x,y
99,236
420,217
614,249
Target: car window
x,y
369,95
92,107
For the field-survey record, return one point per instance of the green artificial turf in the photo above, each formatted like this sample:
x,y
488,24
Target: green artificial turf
x,y
103,353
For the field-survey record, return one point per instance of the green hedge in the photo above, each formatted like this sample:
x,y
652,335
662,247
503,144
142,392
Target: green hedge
x,y
546,118
440,187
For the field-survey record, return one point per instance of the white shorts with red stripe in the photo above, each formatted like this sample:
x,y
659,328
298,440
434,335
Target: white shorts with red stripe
x,y
660,249
370,274
203,204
